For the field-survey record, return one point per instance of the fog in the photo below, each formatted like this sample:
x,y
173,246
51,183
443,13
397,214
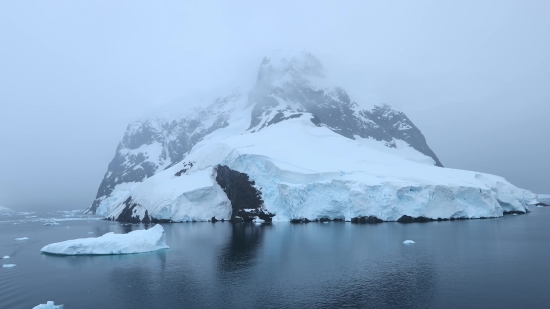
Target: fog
x,y
472,76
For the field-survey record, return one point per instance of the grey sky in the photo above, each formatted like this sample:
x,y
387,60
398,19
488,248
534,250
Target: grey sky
x,y
472,75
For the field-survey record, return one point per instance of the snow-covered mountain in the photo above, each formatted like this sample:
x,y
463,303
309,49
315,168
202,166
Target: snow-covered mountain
x,y
4,211
291,148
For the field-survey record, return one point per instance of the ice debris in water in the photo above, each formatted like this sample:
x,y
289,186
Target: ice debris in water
x,y
6,257
21,238
110,243
409,242
51,223
48,305
8,265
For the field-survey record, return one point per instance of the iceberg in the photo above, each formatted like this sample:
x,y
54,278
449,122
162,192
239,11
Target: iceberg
x,y
110,243
21,238
8,265
48,305
51,223
6,257
409,242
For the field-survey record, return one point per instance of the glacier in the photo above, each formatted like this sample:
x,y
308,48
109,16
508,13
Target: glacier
x,y
133,242
292,148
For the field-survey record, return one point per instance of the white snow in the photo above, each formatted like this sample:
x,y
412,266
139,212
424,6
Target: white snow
x,y
6,257
310,172
110,243
8,265
409,242
48,305
21,238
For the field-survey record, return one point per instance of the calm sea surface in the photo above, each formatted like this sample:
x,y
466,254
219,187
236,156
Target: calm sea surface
x,y
497,263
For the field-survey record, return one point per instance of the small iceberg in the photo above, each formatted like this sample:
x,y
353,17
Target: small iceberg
x,y
5,257
21,238
540,206
409,242
51,223
8,265
48,305
110,243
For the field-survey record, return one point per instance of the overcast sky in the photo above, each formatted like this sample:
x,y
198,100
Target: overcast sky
x,y
474,76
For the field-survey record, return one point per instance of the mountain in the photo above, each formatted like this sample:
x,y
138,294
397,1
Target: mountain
x,y
291,148
5,211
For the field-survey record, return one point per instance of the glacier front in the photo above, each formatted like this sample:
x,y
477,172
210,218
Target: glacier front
x,y
291,148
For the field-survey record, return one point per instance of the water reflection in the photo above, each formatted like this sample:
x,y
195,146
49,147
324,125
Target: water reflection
x,y
241,250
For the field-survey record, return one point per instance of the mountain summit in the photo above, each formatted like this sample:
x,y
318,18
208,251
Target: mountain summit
x,y
291,148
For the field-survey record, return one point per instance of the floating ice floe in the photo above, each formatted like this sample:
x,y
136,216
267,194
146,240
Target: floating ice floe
x,y
21,238
8,265
110,243
409,242
48,305
51,223
6,257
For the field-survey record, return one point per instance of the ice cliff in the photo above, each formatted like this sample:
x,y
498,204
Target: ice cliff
x,y
292,148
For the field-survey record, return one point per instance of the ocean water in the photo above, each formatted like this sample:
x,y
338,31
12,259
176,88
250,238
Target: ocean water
x,y
495,263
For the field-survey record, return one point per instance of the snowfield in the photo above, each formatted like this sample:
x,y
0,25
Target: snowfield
x,y
311,153
305,171
134,242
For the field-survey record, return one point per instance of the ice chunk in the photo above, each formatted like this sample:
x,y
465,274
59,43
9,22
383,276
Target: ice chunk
x,y
540,206
110,243
51,223
409,242
8,265
48,305
21,238
6,257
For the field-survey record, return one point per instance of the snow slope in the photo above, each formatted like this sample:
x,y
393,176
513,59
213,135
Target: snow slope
x,y
293,148
134,242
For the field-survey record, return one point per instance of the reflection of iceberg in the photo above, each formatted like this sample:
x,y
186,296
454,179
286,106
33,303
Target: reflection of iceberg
x,y
48,305
134,242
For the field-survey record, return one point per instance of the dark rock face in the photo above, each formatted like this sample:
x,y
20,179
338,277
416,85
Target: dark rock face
x,y
175,137
127,215
367,219
334,109
186,167
409,219
246,199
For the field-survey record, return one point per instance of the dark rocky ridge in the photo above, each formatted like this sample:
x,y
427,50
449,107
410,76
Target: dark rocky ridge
x,y
246,199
